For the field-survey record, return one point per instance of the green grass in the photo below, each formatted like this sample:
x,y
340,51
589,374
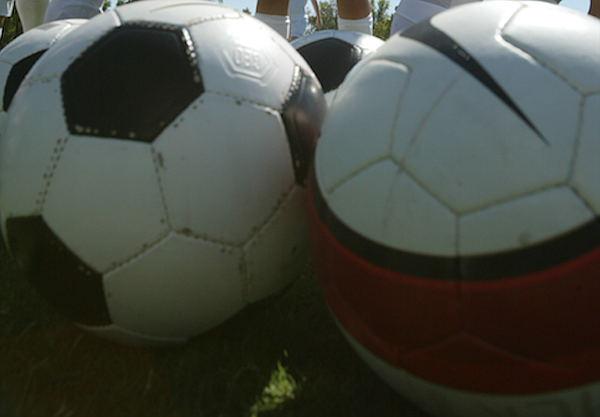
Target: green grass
x,y
281,357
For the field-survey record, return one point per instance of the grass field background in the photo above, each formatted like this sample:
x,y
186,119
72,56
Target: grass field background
x,y
281,357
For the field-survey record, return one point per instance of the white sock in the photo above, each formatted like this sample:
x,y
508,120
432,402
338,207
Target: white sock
x,y
409,12
399,23
6,8
72,9
281,24
31,12
364,25
298,18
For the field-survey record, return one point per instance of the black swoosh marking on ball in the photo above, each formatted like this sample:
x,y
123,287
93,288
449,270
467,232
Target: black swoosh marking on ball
x,y
487,267
429,35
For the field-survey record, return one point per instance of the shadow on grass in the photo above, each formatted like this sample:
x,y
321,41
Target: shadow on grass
x,y
50,368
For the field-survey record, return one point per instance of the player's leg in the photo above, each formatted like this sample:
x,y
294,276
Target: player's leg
x,y
275,14
6,8
355,15
72,9
595,8
410,12
31,12
298,18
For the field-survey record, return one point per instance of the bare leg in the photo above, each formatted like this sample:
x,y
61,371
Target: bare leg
x,y
353,9
276,7
595,8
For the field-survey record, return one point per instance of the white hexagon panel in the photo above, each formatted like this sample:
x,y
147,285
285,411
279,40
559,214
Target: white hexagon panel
x,y
234,178
587,169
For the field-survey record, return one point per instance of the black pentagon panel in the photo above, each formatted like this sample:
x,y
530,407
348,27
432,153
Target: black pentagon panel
x,y
57,274
132,82
303,114
331,59
16,76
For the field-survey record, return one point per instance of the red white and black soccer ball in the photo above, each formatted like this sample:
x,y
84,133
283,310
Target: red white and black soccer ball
x,y
160,189
333,53
455,211
17,58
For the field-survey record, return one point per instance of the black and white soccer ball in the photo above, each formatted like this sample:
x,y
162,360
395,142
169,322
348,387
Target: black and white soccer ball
x,y
17,58
160,190
333,53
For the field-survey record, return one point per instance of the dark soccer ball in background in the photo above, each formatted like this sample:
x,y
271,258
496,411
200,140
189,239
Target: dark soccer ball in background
x,y
333,53
17,58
